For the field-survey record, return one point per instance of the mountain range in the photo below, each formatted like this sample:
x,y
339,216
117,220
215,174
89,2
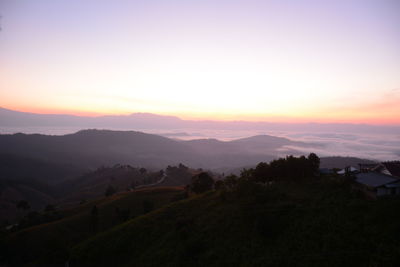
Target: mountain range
x,y
92,148
11,118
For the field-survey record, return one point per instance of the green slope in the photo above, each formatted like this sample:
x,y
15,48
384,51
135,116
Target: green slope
x,y
315,224
51,243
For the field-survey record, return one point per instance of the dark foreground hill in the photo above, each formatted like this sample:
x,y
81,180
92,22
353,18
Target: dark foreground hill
x,y
50,243
314,224
38,182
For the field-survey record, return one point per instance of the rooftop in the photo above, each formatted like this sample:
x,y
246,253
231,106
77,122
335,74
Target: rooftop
x,y
393,167
374,179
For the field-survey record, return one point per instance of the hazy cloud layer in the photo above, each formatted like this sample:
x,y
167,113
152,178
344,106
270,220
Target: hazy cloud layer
x,y
377,147
370,146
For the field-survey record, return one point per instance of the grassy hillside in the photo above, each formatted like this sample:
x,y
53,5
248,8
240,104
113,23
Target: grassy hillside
x,y
94,184
41,183
51,242
33,180
319,223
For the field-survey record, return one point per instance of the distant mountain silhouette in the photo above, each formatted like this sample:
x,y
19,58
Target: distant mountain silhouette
x,y
92,148
10,118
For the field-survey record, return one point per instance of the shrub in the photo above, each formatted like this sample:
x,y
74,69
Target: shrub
x,y
201,182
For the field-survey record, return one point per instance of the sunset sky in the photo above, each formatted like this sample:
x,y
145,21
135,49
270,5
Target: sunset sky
x,y
283,60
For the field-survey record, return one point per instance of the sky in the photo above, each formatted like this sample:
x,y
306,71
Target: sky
x,y
283,60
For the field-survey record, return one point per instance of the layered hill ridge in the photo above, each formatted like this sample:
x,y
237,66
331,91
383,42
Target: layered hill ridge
x,y
96,147
93,148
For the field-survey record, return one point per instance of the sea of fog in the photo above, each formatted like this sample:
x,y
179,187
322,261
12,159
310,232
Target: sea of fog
x,y
382,146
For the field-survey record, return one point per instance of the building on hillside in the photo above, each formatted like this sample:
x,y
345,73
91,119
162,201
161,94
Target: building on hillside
x,y
367,167
391,168
348,170
326,171
383,179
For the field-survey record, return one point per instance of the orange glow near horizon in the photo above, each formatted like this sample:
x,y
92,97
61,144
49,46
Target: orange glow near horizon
x,y
349,117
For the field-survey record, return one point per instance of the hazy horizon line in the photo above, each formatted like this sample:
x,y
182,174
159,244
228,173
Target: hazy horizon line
x,y
291,121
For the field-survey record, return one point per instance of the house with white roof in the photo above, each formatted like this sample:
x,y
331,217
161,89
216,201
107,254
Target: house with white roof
x,y
349,170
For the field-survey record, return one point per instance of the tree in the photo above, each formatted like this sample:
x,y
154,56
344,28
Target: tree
x,y
201,182
110,191
247,174
23,204
182,167
230,181
314,162
262,173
